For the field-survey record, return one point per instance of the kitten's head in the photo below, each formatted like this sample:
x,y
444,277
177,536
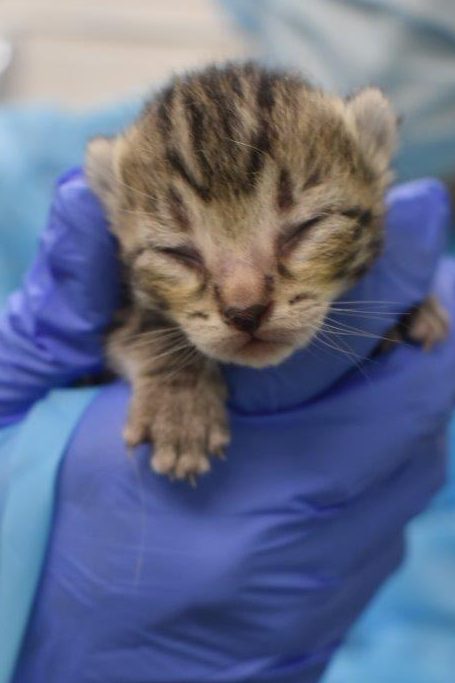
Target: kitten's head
x,y
245,201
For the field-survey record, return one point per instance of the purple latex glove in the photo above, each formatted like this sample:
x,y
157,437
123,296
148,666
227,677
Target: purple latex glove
x,y
51,331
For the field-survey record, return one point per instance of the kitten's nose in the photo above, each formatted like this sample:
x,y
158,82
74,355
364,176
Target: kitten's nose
x,y
246,319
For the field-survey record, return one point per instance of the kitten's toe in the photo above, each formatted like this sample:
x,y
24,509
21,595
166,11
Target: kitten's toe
x,y
218,433
137,427
135,433
219,439
164,460
430,325
190,466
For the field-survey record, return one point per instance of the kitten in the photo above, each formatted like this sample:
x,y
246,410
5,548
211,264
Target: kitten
x,y
244,201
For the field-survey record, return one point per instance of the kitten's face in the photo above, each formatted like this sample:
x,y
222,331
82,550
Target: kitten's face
x,y
244,203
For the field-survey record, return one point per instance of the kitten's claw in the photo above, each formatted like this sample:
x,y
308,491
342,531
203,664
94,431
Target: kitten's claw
x,y
218,442
191,466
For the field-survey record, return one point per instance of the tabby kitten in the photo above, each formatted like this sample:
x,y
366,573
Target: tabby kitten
x,y
244,201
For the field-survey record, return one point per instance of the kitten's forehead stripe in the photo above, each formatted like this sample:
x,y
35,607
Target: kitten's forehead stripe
x,y
165,111
178,209
234,81
285,195
178,166
265,93
261,145
195,116
216,92
312,180
197,128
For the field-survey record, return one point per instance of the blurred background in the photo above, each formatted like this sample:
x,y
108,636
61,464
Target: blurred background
x,y
71,69
82,53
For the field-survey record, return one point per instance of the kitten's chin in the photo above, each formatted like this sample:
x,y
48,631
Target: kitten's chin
x,y
255,352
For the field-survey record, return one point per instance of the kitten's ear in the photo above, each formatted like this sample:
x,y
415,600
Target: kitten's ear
x,y
100,170
375,124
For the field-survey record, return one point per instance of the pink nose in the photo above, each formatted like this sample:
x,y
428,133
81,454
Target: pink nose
x,y
246,319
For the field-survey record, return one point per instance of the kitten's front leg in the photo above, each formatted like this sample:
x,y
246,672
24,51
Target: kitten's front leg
x,y
183,413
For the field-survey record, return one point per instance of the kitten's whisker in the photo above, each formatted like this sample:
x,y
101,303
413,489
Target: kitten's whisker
x,y
246,144
156,342
171,350
343,328
159,329
348,352
367,302
186,360
345,333
138,213
135,189
359,361
334,350
380,315
155,334
351,354
317,338
151,346
351,332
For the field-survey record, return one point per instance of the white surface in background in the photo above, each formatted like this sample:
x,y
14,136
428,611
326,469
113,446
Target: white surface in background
x,y
5,55
86,52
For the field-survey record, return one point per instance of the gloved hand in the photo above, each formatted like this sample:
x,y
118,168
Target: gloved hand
x,y
51,332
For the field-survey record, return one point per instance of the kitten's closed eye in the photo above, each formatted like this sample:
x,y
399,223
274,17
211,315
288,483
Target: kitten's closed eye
x,y
184,254
291,237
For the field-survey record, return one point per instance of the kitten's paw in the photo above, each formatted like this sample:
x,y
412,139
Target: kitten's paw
x,y
185,421
185,438
430,324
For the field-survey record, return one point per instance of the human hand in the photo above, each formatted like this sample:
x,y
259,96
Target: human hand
x,y
52,329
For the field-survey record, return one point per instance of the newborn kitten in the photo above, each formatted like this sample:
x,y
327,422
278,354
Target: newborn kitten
x,y
244,201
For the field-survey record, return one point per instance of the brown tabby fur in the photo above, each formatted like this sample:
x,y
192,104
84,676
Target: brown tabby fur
x,y
244,200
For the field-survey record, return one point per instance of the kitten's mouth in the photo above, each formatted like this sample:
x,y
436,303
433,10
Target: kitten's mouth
x,y
256,350
259,351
